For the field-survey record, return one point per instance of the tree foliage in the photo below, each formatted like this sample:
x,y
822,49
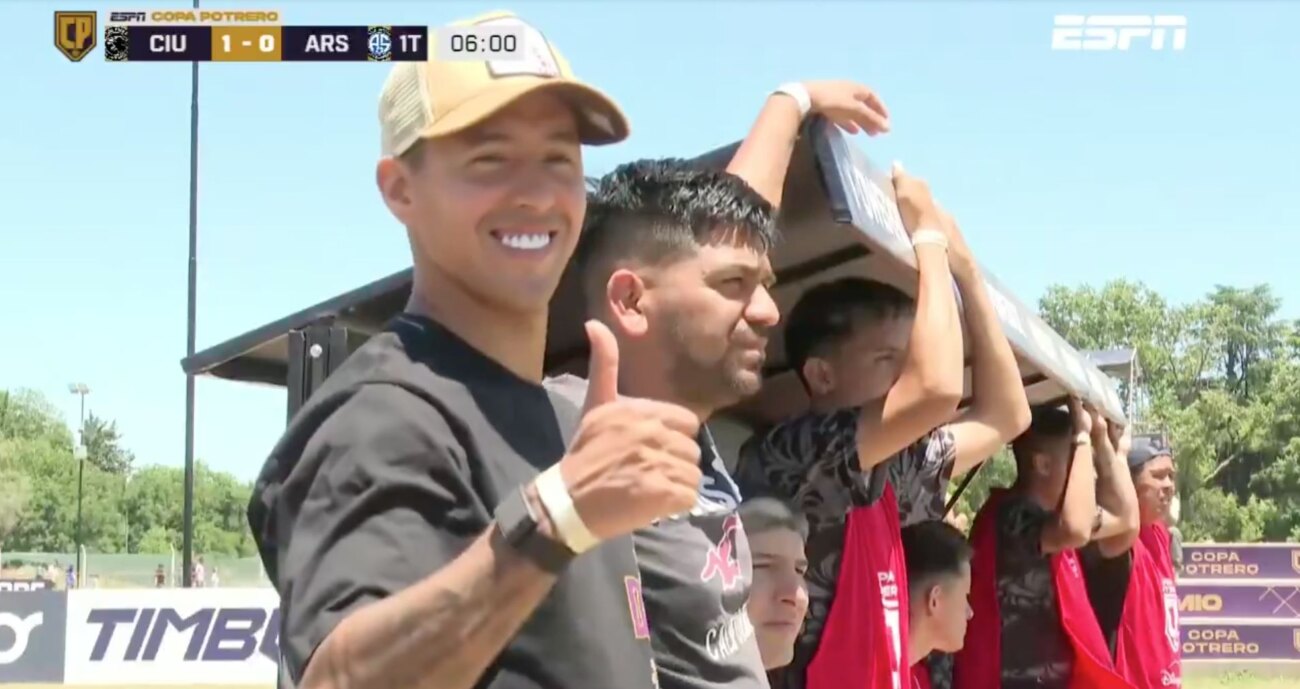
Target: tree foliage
x,y
1221,378
104,448
124,509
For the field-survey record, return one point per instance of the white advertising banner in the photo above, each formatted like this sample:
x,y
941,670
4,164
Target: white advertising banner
x,y
173,636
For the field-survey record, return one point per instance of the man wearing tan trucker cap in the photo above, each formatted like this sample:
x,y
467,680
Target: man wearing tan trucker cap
x,y
421,517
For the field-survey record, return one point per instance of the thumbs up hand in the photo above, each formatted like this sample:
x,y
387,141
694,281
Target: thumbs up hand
x,y
602,369
632,460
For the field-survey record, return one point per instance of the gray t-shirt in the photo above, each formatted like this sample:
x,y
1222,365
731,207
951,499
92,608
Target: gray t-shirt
x,y
696,572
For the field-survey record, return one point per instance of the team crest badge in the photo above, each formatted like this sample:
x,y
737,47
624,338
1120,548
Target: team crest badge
x,y
74,34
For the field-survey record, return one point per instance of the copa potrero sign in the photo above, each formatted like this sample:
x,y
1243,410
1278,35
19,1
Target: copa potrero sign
x,y
1246,561
171,636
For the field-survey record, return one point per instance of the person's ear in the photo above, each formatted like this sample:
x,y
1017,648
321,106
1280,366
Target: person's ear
x,y
625,294
820,375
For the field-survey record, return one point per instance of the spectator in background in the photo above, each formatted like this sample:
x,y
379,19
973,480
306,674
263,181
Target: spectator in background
x,y
199,573
215,580
938,584
160,577
778,600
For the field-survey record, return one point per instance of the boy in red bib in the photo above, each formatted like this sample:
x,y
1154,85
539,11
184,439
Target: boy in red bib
x,y
938,588
1026,574
1134,592
880,443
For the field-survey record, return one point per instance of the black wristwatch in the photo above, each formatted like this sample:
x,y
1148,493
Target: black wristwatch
x,y
517,524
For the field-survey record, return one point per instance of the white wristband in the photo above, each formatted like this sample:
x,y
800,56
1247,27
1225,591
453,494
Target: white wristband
x,y
564,515
799,93
927,236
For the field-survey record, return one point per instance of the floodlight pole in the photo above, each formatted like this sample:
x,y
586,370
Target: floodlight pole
x,y
187,556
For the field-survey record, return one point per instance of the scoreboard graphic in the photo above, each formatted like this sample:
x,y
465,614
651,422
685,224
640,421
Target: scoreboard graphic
x,y
259,36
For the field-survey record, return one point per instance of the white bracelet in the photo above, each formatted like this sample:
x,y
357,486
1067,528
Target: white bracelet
x,y
927,236
799,93
564,515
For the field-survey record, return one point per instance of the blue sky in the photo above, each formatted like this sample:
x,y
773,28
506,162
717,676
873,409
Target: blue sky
x,y
1176,168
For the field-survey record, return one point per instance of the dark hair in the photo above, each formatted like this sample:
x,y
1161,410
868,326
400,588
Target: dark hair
x,y
933,550
829,312
763,514
654,210
1048,427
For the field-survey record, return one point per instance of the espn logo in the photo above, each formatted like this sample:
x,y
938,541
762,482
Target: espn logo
x,y
126,17
1117,32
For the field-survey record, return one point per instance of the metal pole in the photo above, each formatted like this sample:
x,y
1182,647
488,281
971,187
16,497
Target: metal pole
x,y
80,390
188,518
81,486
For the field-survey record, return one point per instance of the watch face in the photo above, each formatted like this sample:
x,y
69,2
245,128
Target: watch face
x,y
518,527
514,519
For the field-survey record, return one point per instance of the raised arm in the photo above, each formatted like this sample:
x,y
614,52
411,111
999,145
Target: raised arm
x,y
1077,517
764,156
1116,497
999,410
929,386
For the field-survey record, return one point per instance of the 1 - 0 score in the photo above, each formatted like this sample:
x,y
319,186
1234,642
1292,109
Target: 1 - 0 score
x,y
265,42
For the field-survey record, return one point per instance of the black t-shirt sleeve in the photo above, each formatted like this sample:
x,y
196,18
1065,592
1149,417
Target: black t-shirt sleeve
x,y
390,504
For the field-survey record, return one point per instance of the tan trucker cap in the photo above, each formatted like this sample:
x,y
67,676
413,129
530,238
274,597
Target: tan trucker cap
x,y
422,100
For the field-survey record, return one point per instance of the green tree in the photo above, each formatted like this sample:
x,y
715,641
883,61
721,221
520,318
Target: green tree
x,y
26,415
103,446
124,509
153,509
1221,378
13,500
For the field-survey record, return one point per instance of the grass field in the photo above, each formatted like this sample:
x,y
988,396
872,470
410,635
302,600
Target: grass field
x,y
1234,680
1239,681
